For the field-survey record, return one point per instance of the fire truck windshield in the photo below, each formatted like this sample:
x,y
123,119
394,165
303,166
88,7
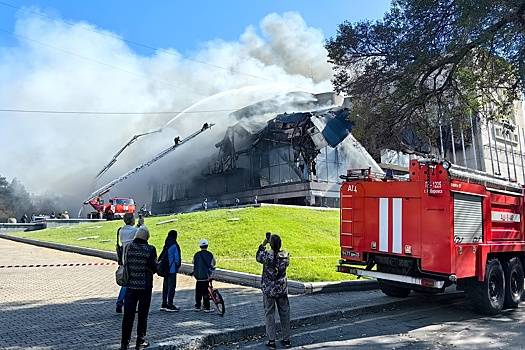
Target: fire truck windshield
x,y
123,201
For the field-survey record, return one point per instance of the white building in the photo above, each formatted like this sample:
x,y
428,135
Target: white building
x,y
498,148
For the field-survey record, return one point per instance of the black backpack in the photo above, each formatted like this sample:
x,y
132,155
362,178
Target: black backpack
x,y
163,263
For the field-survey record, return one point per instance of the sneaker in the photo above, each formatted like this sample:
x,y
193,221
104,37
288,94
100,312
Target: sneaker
x,y
208,310
172,308
141,344
286,344
164,307
118,309
196,309
271,344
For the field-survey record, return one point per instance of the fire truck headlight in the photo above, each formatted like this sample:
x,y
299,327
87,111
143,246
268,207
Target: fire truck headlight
x,y
446,164
408,249
373,245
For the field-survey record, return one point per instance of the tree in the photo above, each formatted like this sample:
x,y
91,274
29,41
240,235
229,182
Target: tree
x,y
5,199
429,62
20,200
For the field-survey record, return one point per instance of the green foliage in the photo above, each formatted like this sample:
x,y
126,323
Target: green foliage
x,y
5,196
310,236
430,62
15,201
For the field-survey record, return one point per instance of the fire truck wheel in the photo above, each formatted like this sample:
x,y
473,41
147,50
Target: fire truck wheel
x,y
393,290
488,296
513,282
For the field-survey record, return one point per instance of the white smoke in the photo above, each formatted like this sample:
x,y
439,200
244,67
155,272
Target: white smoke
x,y
79,67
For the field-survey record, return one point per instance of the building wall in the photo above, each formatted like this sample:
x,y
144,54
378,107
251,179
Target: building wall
x,y
264,172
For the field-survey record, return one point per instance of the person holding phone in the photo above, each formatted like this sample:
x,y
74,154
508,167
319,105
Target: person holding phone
x,y
274,286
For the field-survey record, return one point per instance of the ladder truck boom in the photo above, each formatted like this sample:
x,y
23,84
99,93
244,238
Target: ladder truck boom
x,y
114,159
178,142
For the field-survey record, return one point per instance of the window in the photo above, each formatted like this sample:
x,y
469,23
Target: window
x,y
124,201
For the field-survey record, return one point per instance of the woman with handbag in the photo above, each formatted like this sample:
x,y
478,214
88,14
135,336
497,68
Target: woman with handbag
x,y
140,264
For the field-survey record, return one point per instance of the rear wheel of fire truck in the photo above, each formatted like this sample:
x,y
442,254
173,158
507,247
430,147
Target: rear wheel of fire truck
x,y
393,290
513,282
488,296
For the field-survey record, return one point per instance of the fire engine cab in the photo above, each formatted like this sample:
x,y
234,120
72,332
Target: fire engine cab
x,y
442,225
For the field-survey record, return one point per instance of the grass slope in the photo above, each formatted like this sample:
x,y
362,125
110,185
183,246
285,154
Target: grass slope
x,y
310,236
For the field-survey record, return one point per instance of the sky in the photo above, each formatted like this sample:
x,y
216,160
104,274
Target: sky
x,y
185,25
217,56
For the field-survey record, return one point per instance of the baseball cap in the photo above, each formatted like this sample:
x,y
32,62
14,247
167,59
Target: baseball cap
x,y
203,243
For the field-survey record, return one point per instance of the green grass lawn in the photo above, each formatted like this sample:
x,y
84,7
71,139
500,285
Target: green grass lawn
x,y
310,236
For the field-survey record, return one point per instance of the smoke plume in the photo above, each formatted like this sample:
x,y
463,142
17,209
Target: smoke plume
x,y
80,67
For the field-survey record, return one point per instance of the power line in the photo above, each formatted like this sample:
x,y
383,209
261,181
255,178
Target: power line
x,y
39,111
136,43
140,75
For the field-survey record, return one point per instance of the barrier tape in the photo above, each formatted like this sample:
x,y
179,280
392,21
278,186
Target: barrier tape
x,y
58,265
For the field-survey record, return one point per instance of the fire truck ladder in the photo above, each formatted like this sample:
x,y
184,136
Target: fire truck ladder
x,y
491,182
114,159
178,142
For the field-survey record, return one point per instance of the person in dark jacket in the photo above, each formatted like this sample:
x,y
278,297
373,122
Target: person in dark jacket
x,y
203,266
274,286
141,263
172,249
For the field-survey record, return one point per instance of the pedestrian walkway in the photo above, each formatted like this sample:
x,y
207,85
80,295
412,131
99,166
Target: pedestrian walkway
x,y
73,307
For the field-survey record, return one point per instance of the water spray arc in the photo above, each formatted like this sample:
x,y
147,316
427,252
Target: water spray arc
x,y
275,87
220,94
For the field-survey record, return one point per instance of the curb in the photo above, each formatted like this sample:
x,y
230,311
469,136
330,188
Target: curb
x,y
210,340
228,276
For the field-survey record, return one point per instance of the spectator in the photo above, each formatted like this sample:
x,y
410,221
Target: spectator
x,y
141,220
203,266
126,234
275,288
172,249
24,219
141,263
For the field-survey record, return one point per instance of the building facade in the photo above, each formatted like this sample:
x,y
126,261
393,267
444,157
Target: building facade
x,y
295,158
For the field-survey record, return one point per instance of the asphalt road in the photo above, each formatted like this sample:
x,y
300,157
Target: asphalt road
x,y
440,324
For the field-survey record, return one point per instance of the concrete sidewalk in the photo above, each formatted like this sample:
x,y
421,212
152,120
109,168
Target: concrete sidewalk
x,y
72,307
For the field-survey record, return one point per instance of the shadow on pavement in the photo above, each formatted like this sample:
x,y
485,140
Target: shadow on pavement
x,y
92,323
446,324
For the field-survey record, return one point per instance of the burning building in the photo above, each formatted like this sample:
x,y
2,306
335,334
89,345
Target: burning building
x,y
293,158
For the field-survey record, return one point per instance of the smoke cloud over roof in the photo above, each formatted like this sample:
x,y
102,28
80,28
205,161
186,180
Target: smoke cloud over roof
x,y
57,65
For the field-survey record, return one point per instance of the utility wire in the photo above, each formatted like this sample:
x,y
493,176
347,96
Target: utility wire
x,y
139,75
132,42
38,111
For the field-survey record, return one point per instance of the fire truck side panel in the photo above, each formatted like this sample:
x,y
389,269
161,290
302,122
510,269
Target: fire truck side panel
x,y
466,258
436,240
505,217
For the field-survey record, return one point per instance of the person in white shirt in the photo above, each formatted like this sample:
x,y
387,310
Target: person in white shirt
x,y
126,235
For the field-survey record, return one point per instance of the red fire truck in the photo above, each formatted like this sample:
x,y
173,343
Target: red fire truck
x,y
114,209
442,225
